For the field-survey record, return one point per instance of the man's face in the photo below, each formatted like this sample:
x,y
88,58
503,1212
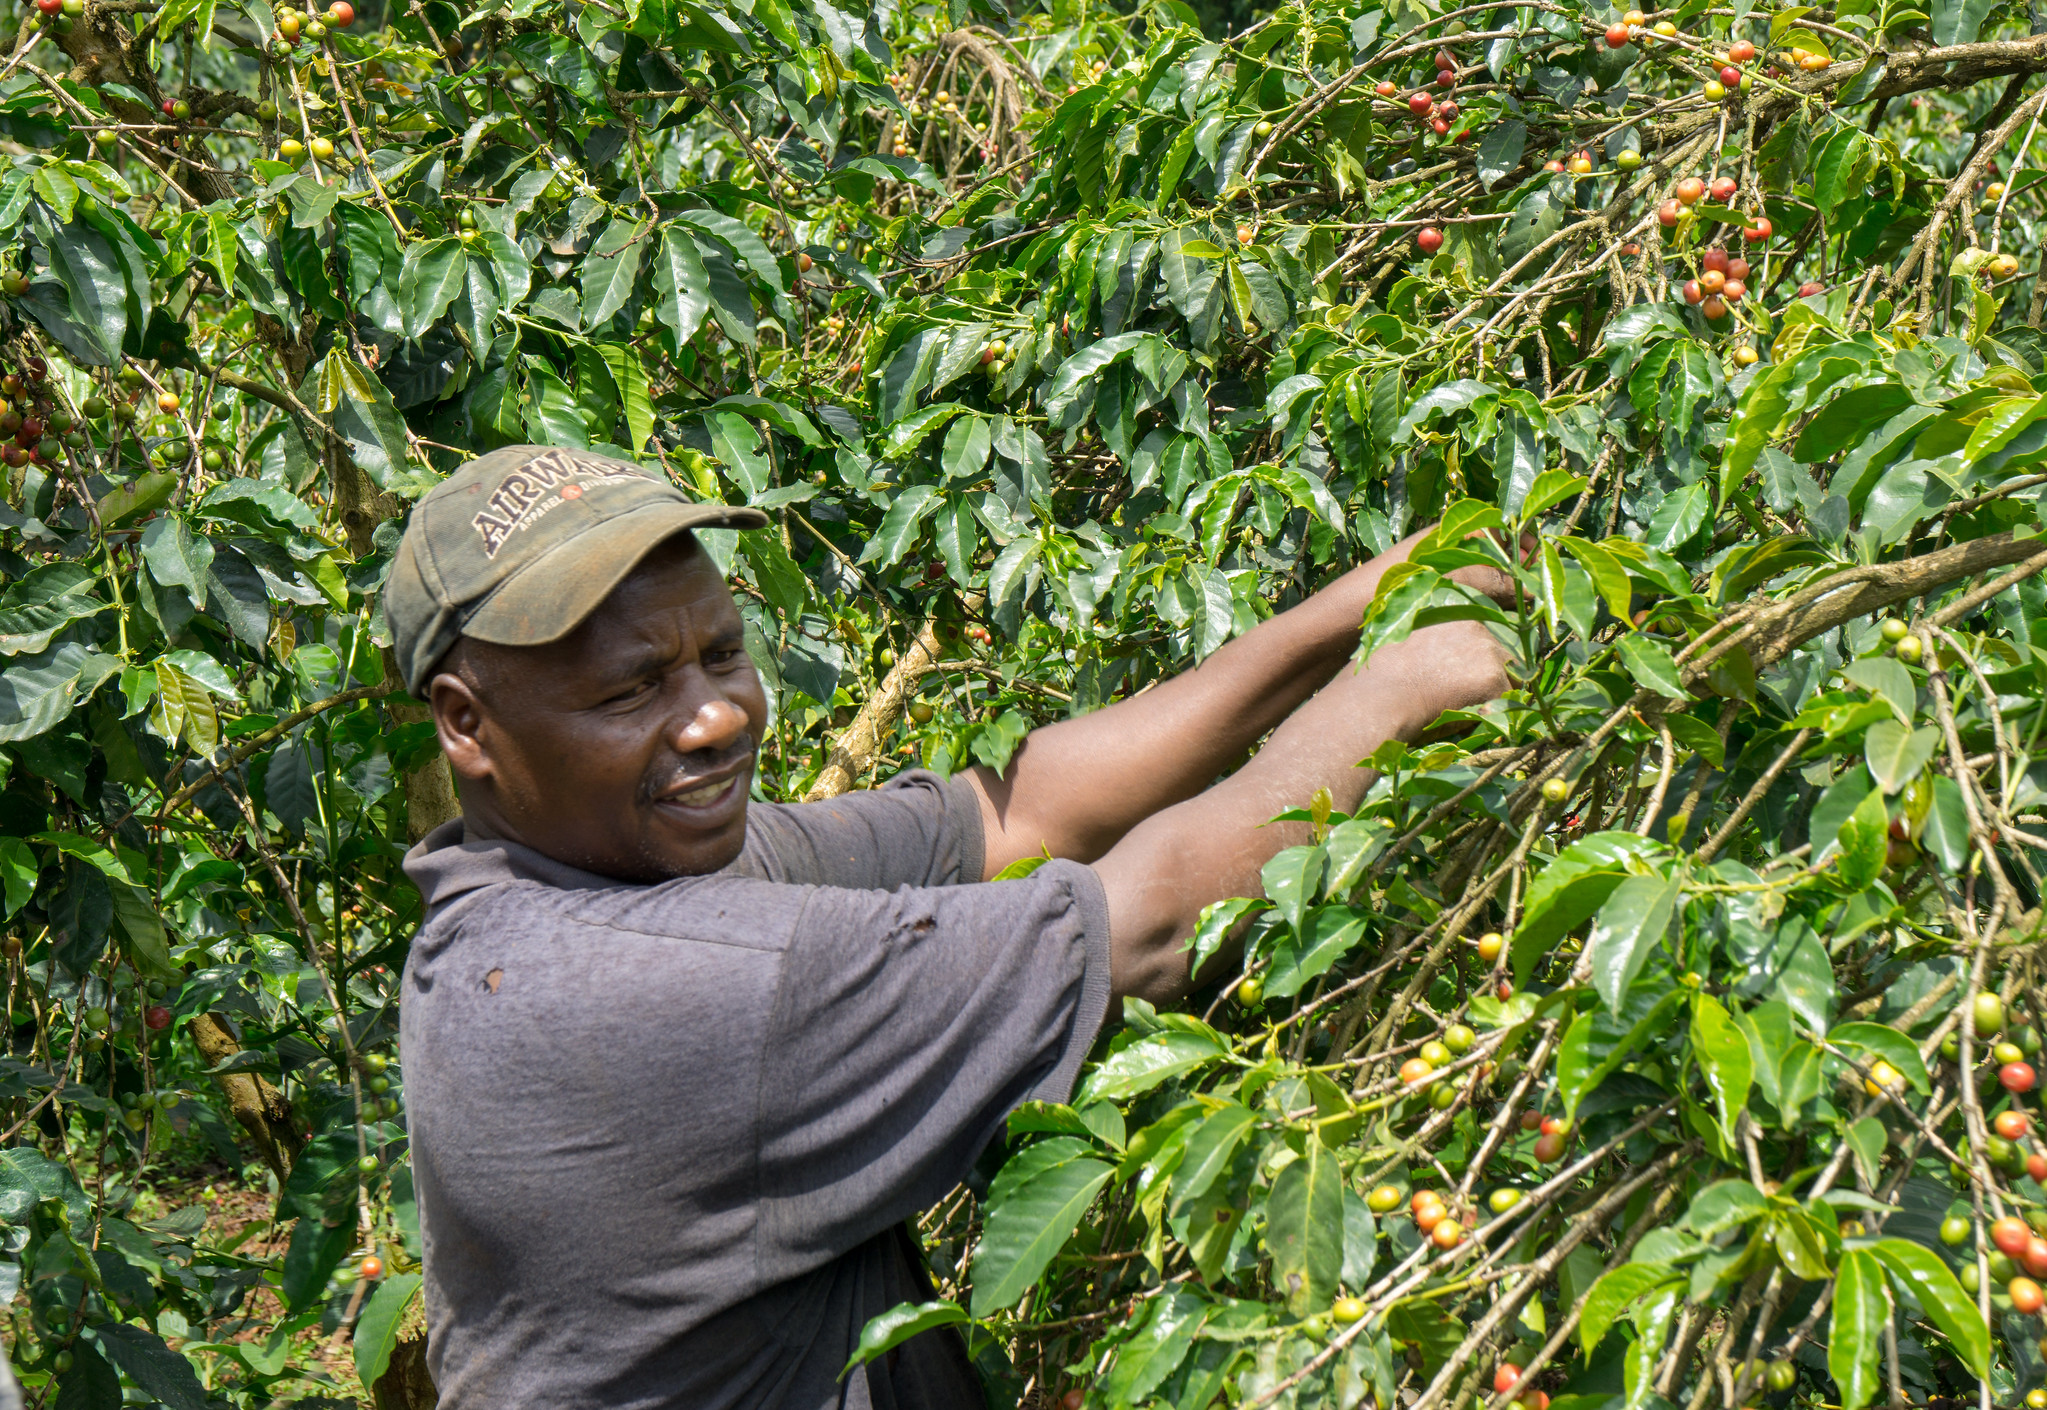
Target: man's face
x,y
627,747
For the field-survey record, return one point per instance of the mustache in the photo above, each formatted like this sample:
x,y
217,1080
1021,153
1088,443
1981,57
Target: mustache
x,y
696,764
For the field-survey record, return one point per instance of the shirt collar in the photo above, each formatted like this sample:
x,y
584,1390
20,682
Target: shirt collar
x,y
457,858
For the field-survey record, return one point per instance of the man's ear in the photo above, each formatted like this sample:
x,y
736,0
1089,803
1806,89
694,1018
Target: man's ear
x,y
458,721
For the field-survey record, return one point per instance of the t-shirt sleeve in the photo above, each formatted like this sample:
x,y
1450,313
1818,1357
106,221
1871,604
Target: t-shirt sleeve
x,y
906,1028
918,829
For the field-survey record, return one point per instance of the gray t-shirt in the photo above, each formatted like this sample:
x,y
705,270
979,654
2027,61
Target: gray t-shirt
x,y
665,1137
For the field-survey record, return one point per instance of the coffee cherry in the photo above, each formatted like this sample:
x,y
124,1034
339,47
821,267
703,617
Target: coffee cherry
x,y
1746,356
167,402
1692,292
1617,36
1250,991
1428,239
1503,1199
1986,1010
1782,1376
1580,164
1669,213
1714,90
1416,1071
1346,1310
2016,1076
291,150
341,14
106,139
1741,51
1549,1148
1712,281
2012,1125
1810,288
1954,1230
1909,648
1883,1078
1420,103
1386,88
156,1017
1757,233
1445,78
1723,189
1383,1200
1505,1377
1627,159
1731,76
1447,1234
1556,790
323,151
181,110
371,1267
1689,191
2025,1294
1490,945
1714,308
1459,1038
1074,1399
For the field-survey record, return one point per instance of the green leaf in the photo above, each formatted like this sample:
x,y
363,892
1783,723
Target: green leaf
x,y
1330,933
1896,754
1304,1229
1597,1043
1862,1307
1724,1057
609,271
1499,151
431,278
145,494
1934,1287
1865,841
376,1329
1616,1290
682,288
1958,21
1875,1040
177,558
1681,515
1033,1206
898,531
747,245
1291,879
155,1369
892,1328
18,870
1631,923
1649,661
1210,1148
1145,1063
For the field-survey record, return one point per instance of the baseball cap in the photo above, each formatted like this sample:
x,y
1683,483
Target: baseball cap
x,y
518,546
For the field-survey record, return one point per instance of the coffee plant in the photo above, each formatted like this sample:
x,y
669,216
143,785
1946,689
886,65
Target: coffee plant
x,y
1662,1035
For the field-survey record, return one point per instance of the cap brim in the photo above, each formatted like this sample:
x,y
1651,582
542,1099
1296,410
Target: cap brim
x,y
554,595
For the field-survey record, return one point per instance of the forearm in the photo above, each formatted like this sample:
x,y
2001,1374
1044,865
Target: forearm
x,y
1076,787
1170,867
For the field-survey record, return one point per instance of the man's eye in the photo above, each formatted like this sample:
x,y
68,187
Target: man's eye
x,y
722,657
631,692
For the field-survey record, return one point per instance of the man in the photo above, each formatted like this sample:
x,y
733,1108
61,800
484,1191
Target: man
x,y
679,1068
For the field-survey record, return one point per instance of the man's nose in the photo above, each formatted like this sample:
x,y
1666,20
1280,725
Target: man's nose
x,y
707,720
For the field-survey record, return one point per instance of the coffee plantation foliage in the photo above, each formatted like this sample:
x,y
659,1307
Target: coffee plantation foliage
x,y
1659,1037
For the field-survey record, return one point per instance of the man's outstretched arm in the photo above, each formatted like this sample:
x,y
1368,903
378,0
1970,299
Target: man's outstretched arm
x,y
1075,788
1212,846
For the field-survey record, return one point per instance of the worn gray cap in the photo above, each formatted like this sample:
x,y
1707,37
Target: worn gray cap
x,y
518,546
